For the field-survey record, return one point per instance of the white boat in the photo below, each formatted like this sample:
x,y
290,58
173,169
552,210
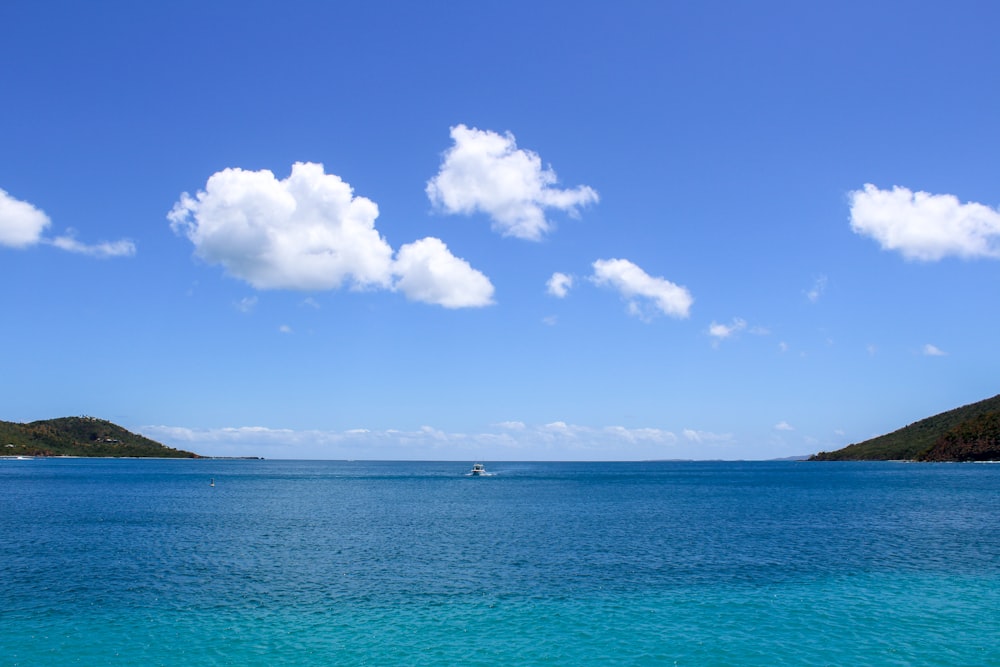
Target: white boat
x,y
477,470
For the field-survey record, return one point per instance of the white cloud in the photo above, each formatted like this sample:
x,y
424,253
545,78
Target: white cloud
x,y
309,232
723,331
783,426
428,272
305,232
21,224
934,351
485,172
246,304
559,284
924,226
103,250
643,292
513,440
706,436
817,289
285,329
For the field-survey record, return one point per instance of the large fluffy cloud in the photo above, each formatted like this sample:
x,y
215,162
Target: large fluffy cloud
x,y
486,172
924,226
21,224
309,232
306,232
645,294
428,272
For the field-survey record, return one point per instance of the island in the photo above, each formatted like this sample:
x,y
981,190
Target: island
x,y
968,433
80,436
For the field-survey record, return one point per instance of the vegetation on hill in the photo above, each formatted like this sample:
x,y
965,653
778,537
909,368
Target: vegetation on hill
x,y
968,433
79,436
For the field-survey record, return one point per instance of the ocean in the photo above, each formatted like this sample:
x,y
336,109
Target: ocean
x,y
144,562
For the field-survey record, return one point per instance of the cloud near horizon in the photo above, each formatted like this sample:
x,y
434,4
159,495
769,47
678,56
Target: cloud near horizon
x,y
646,295
310,232
22,225
519,441
486,172
923,226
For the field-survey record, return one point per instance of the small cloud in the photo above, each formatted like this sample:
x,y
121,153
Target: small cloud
x,y
722,331
428,272
550,320
512,425
103,250
783,346
706,436
783,426
311,303
559,284
923,226
933,351
486,172
872,350
646,295
246,304
817,289
285,329
22,225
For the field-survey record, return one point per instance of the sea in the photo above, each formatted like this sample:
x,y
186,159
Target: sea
x,y
253,562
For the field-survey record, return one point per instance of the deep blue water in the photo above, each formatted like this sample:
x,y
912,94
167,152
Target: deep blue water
x,y
142,562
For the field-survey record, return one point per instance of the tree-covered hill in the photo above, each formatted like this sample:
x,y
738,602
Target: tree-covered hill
x,y
79,436
968,433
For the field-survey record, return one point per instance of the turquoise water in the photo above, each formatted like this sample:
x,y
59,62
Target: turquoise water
x,y
142,562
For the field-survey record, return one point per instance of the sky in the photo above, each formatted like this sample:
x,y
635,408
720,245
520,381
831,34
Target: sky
x,y
499,230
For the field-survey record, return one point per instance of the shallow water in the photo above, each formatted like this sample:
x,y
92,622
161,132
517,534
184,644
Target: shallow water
x,y
295,562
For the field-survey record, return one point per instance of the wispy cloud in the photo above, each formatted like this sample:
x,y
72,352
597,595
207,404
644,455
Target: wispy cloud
x,y
511,440
723,331
933,351
816,291
706,436
246,304
486,172
783,426
23,225
103,250
923,226
646,295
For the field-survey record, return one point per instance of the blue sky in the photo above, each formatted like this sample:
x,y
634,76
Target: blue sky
x,y
499,230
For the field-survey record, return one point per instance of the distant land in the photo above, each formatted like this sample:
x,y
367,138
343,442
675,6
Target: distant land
x,y
80,436
969,433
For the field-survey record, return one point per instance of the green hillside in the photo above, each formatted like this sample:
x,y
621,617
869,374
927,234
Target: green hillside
x,y
79,436
968,433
